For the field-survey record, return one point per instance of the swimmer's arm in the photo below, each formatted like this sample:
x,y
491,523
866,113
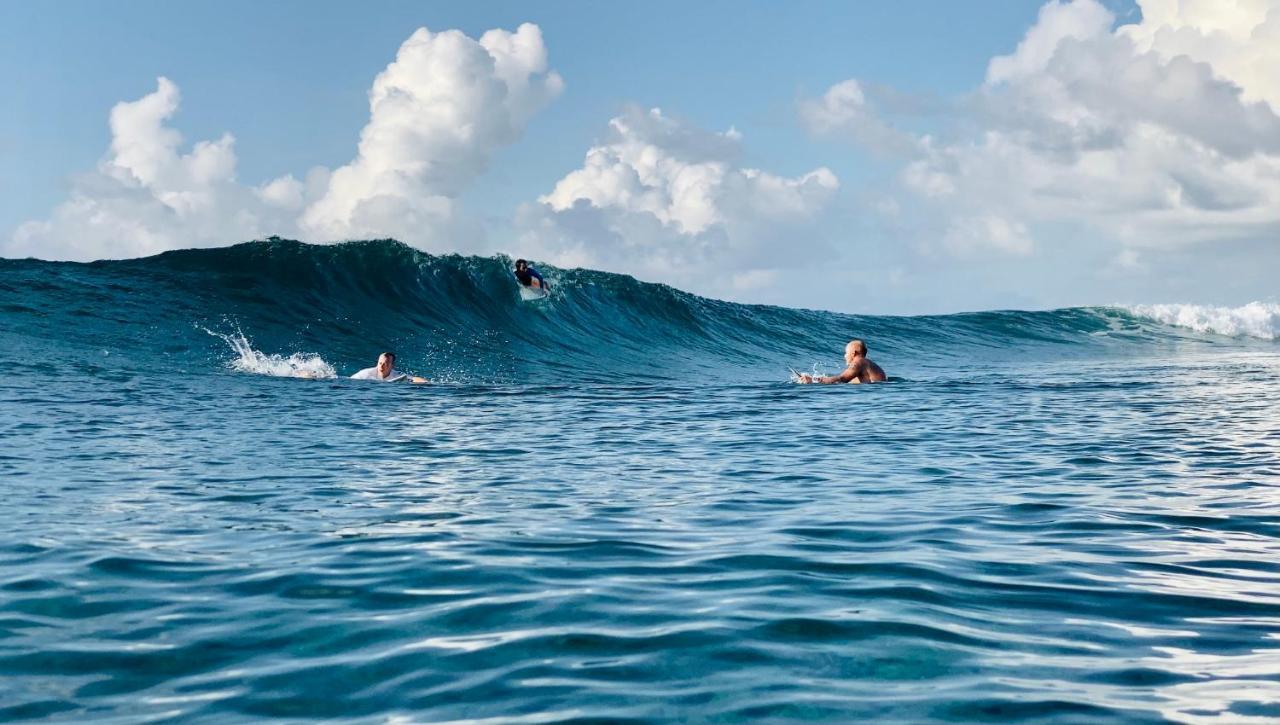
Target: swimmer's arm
x,y
843,377
417,380
850,373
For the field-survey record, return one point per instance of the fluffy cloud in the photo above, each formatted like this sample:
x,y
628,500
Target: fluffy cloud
x,y
437,113
1159,134
667,201
1240,39
147,195
847,109
975,234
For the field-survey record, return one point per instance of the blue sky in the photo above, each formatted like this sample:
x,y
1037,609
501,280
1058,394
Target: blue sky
x,y
291,80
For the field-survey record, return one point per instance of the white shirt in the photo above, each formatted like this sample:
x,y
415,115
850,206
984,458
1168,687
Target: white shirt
x,y
372,374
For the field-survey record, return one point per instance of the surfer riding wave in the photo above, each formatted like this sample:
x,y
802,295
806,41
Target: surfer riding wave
x,y
529,277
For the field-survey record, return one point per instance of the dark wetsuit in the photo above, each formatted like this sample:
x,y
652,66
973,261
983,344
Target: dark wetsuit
x,y
528,274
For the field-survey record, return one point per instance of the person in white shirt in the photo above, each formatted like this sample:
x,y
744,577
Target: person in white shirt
x,y
385,371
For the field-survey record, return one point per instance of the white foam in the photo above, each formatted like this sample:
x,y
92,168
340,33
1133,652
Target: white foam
x,y
297,365
1256,319
815,372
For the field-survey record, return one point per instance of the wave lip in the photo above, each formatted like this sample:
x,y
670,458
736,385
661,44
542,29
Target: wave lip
x,y
1256,319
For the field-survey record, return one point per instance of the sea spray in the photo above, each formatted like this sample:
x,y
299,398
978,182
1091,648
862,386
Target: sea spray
x,y
296,365
1256,319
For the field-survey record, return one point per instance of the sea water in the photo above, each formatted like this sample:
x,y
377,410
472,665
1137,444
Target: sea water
x,y
613,506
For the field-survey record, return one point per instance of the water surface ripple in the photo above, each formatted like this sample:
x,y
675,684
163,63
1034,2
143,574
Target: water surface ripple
x,y
1067,541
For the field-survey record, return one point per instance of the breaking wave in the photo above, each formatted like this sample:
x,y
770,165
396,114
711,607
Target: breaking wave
x,y
1256,319
285,308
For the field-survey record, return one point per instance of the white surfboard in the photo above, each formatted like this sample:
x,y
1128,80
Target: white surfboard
x,y
530,294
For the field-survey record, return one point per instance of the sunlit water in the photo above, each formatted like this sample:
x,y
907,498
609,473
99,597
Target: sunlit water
x,y
1084,542
615,508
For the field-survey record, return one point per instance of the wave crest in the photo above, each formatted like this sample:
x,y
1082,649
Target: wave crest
x,y
1256,319
462,318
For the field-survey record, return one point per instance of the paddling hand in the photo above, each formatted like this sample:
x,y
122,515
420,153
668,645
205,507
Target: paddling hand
x,y
417,380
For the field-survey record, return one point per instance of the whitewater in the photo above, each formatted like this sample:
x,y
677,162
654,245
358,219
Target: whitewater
x,y
613,506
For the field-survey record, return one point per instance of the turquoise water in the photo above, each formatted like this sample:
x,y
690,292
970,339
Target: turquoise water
x,y
615,507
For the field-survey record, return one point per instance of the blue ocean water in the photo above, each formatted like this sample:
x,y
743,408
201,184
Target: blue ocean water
x,y
613,506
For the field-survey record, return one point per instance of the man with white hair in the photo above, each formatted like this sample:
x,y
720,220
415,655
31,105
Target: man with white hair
x,y
859,370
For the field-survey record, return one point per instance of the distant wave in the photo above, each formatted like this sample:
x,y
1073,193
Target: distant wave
x,y
286,308
1256,319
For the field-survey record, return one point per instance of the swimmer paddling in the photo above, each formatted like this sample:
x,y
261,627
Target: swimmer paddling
x,y
385,371
860,369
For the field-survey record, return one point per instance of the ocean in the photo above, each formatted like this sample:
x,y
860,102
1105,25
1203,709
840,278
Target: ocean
x,y
614,506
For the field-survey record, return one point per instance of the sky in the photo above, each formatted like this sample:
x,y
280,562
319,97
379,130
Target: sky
x,y
892,158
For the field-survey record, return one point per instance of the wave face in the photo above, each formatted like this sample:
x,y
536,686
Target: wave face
x,y
280,307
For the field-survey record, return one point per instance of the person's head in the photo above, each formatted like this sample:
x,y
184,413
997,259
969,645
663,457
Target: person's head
x,y
855,349
521,265
386,361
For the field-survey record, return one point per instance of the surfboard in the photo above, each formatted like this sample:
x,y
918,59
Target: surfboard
x,y
531,294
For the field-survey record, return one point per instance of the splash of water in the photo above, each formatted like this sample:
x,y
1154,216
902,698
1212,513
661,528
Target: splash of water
x,y
296,365
1256,319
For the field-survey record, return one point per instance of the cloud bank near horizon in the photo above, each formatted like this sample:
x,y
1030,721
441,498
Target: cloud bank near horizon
x,y
437,113
660,198
1116,149
665,200
1152,136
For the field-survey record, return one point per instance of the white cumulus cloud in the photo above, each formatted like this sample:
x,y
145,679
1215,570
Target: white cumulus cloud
x,y
1155,135
974,234
667,201
147,194
846,109
437,113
